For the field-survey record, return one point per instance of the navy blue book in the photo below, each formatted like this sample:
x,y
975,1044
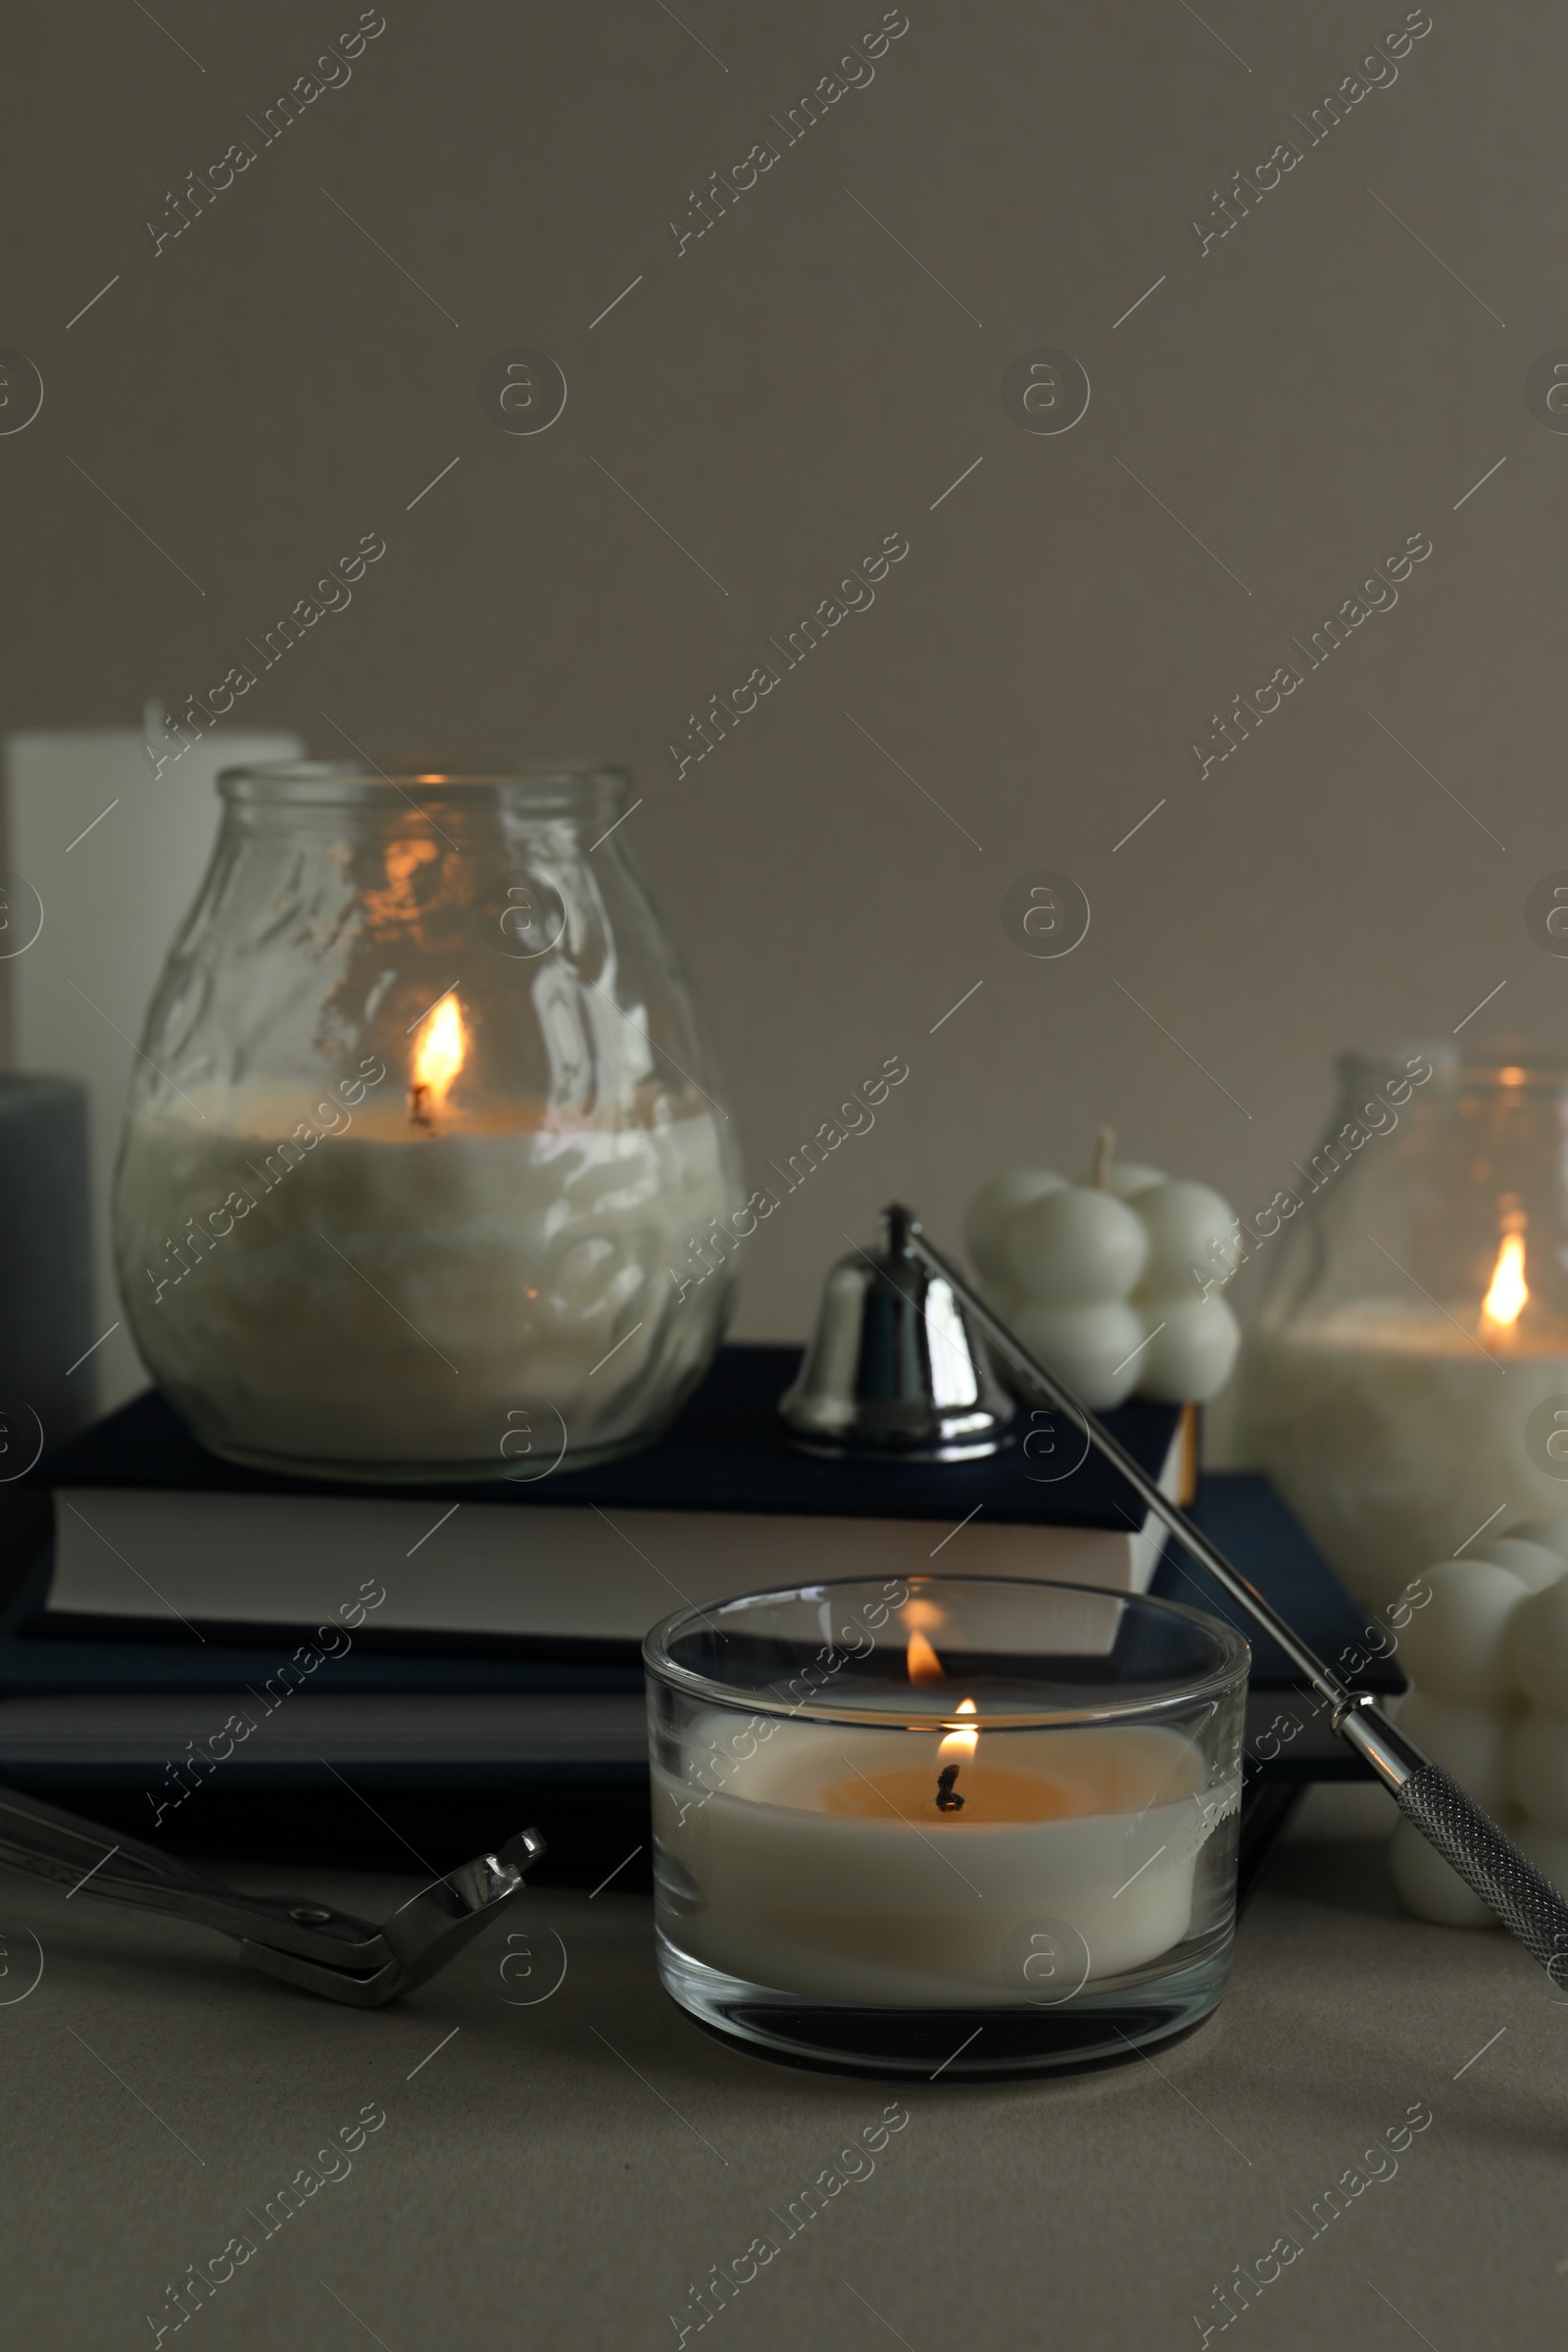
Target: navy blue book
x,y
188,1614
725,1451
154,1537
167,1718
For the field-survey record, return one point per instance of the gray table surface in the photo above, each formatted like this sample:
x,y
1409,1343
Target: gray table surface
x,y
560,2171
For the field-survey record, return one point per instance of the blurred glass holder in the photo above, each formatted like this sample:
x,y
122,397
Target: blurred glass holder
x,y
954,1828
1407,1386
424,1147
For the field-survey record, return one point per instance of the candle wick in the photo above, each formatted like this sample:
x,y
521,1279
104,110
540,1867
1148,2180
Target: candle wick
x,y
1104,1151
947,1798
418,1116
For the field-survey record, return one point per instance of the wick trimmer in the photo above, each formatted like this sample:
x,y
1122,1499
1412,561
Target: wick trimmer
x,y
310,1944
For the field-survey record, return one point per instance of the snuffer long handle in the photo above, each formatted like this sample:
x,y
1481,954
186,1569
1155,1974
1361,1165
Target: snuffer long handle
x,y
1462,1831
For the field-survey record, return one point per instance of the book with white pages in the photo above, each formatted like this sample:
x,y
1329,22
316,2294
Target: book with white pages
x,y
156,1538
143,1706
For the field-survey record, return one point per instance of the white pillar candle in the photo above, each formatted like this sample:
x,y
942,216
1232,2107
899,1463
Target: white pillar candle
x,y
1395,1433
113,827
822,1865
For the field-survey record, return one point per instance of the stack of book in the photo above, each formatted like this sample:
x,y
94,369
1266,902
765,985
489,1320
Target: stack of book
x,y
211,1655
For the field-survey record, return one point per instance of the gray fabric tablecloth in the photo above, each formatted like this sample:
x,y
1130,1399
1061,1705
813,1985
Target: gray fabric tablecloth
x,y
562,2167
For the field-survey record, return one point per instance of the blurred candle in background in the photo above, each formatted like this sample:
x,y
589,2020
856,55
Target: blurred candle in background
x,y
111,828
46,1304
1407,1386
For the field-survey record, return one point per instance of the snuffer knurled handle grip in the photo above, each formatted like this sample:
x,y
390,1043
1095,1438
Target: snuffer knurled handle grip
x,y
1490,1864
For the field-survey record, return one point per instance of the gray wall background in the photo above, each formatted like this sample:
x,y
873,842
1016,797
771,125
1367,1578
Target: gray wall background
x,y
779,395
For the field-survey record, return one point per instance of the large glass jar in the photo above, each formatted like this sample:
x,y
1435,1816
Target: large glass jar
x,y
1408,1384
424,1147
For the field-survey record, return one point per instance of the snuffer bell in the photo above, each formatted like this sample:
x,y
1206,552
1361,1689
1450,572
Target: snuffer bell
x,y
896,1371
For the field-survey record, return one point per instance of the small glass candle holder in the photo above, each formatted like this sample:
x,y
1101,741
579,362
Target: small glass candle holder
x,y
954,1828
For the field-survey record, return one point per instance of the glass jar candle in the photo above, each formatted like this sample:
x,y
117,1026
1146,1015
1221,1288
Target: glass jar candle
x,y
1407,1386
423,1144
970,1825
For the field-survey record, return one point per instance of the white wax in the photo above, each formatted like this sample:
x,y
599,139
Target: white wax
x,y
1457,1646
1191,1346
761,1881
1392,1437
396,1293
1094,1350
994,1209
1488,1655
1189,1226
1097,1280
1076,1246
1468,1741
1539,1641
1535,1766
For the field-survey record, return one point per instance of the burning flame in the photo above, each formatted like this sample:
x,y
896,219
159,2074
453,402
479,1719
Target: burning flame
x,y
960,1744
923,1663
438,1056
1504,1301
